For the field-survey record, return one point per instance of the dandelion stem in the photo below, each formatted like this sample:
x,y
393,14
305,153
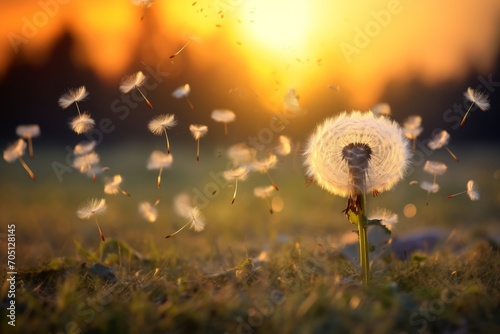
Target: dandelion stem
x,y
235,190
171,235
30,172
356,216
191,106
168,142
460,193
451,153
125,193
100,231
272,181
145,98
30,147
78,108
465,116
269,204
159,176
180,50
197,149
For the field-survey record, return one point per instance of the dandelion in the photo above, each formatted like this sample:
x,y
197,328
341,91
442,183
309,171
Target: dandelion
x,y
412,128
479,99
29,132
198,131
159,160
237,174
195,219
264,192
87,163
263,166
73,96
148,211
284,147
472,191
224,116
434,168
441,139
352,154
135,80
183,92
381,109
15,152
84,147
112,186
386,216
82,123
241,155
160,124
92,209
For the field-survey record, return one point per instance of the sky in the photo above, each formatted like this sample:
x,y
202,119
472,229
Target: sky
x,y
419,56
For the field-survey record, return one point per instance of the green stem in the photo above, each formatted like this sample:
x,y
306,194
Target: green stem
x,y
358,217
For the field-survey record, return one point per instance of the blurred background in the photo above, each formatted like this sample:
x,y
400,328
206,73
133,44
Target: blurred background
x,y
246,56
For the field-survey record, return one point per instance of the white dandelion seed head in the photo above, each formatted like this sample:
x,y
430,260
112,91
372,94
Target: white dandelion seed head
x,y
381,109
378,139
441,139
93,207
265,164
84,147
386,216
132,81
28,131
241,154
82,123
223,115
112,185
435,167
284,147
239,173
264,191
480,99
86,162
472,190
198,131
148,211
430,187
182,91
412,127
158,159
15,150
160,123
183,205
73,95
197,220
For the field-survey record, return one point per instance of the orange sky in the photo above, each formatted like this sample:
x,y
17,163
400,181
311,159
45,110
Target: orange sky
x,y
273,45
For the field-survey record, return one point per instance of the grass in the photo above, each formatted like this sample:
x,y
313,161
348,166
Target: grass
x,y
249,271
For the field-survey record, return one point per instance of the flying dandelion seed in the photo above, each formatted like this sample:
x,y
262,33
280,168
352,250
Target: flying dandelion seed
x,y
145,4
263,166
237,174
472,191
284,147
82,123
148,211
198,131
15,152
183,92
412,128
135,80
479,99
388,217
381,109
180,50
93,208
352,154
84,147
195,219
291,103
87,163
73,96
441,139
241,155
223,116
159,160
434,168
265,192
160,124
112,186
29,132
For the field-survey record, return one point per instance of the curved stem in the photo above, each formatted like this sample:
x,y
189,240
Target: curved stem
x,y
235,190
465,116
145,98
168,142
356,215
30,172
